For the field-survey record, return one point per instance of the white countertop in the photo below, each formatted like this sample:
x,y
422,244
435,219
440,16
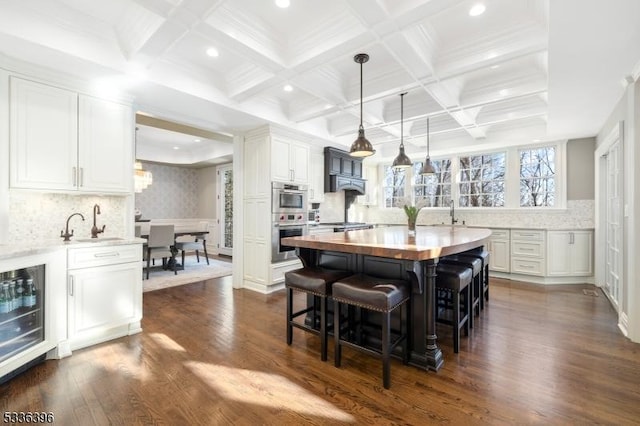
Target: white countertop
x,y
12,250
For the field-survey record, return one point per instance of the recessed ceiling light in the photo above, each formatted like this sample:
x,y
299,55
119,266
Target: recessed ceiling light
x,y
504,92
493,67
283,3
176,147
197,140
477,9
213,52
288,88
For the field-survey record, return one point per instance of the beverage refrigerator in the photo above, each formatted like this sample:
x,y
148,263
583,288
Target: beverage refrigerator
x,y
31,304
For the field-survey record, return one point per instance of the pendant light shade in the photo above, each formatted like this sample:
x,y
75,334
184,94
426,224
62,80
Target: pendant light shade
x,y
361,147
427,167
401,161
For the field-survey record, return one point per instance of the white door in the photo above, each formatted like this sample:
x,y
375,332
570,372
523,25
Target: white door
x,y
225,209
613,230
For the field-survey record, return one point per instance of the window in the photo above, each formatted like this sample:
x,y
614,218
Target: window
x,y
482,180
393,184
434,189
537,177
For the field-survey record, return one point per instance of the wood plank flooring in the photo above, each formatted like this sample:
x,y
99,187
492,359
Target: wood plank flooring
x,y
211,355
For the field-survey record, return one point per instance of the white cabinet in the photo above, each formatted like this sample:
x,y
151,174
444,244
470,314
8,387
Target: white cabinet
x,y
289,161
499,248
570,253
528,251
104,293
370,197
316,178
60,140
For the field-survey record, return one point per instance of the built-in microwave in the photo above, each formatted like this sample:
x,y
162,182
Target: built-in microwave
x,y
288,198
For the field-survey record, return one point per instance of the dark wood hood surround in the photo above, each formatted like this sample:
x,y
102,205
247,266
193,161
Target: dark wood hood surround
x,y
342,172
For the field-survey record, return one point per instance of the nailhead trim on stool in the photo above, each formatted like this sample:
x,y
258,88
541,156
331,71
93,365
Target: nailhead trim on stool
x,y
316,281
375,294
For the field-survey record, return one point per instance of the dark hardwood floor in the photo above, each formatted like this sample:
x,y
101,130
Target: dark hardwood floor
x,y
213,355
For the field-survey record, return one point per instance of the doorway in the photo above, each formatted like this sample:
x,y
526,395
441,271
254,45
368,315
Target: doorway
x,y
225,209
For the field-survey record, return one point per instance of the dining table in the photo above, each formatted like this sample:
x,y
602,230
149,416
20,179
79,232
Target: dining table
x,y
396,252
180,233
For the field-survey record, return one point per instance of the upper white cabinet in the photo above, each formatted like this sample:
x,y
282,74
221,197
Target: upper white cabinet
x,y
570,253
60,140
316,178
289,161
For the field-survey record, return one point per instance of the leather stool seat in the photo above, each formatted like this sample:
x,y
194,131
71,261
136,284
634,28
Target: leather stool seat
x,y
454,280
476,288
375,294
316,281
485,257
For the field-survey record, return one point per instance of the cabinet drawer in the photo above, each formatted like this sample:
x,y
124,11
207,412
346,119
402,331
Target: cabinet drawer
x,y
523,248
527,266
499,234
527,235
105,255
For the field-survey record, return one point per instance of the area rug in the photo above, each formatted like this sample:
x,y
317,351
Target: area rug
x,y
193,272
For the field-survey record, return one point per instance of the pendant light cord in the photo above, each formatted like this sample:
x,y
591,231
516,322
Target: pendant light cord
x,y
427,137
361,95
402,119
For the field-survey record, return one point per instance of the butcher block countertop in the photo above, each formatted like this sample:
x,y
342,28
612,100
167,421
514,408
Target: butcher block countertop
x,y
395,242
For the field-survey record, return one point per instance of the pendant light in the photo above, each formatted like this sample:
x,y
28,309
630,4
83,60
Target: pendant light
x,y
427,167
141,178
361,147
402,161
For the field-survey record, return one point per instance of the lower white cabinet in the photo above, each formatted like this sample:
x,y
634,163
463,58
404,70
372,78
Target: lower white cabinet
x,y
528,251
104,293
570,253
499,249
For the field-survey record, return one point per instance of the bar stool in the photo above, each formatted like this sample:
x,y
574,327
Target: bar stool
x,y
476,288
452,282
316,281
484,256
380,295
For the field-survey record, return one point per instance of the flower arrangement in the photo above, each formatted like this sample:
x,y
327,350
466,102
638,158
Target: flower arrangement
x,y
412,212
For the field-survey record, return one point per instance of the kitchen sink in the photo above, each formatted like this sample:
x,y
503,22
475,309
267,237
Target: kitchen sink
x,y
98,240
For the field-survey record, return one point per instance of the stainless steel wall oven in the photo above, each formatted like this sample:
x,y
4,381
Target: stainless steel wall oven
x,y
286,225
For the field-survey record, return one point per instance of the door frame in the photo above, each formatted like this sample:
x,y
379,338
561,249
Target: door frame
x,y
616,135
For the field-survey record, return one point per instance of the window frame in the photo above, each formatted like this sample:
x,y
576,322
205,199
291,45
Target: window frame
x,y
512,178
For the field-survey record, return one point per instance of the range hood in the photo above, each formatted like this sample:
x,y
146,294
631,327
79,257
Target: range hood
x,y
342,172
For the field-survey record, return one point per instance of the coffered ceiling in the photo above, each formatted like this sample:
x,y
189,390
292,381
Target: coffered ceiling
x,y
522,71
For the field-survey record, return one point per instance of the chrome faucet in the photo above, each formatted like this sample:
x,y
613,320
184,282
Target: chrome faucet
x,y
452,213
94,229
66,233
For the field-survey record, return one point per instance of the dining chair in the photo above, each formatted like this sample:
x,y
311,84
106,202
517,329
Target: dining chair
x,y
194,242
160,245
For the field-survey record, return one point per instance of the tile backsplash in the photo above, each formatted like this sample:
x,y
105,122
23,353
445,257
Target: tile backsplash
x,y
40,216
579,214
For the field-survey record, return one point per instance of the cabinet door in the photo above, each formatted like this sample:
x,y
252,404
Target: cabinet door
x,y
300,163
280,161
357,168
105,146
347,166
43,136
316,178
559,259
582,253
500,259
104,297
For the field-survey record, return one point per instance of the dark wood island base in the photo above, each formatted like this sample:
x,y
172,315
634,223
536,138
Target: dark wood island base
x,y
392,253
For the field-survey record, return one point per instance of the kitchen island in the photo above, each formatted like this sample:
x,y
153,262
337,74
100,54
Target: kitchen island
x,y
391,252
